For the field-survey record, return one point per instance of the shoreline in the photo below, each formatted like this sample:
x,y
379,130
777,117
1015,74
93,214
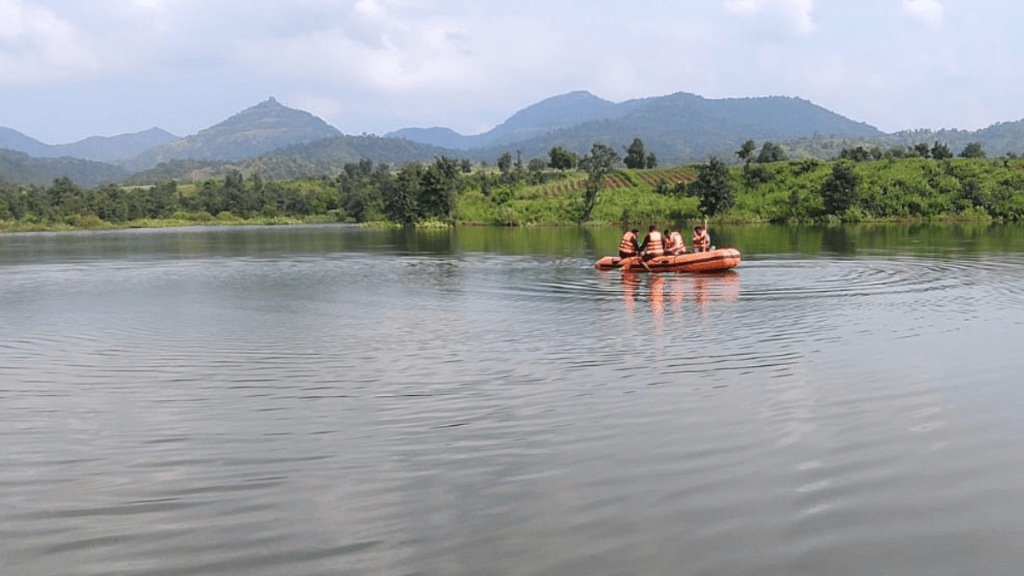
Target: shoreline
x,y
9,227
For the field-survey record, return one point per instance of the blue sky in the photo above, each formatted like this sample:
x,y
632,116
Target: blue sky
x,y
70,69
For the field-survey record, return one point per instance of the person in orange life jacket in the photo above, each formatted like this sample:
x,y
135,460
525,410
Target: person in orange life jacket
x,y
629,246
674,243
701,240
653,245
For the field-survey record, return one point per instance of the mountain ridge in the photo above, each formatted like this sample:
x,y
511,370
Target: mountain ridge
x,y
267,126
678,128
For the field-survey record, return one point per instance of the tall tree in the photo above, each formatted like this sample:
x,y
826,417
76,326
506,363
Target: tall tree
x,y
973,150
713,188
505,163
440,185
562,159
402,193
940,151
636,155
598,163
746,151
771,152
840,191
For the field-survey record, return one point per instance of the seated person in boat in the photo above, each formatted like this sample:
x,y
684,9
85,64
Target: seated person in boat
x,y
653,244
674,243
629,246
701,240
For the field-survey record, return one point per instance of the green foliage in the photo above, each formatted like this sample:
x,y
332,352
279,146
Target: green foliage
x,y
505,163
856,154
771,152
562,159
746,151
840,191
972,150
441,184
598,164
941,151
637,157
891,188
713,188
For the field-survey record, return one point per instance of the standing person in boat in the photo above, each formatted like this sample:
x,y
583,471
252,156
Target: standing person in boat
x,y
629,246
701,240
653,244
674,243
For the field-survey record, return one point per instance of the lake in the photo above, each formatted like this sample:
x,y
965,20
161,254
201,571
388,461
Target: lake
x,y
325,400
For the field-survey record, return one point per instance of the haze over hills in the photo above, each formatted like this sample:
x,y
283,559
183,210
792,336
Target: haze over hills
x,y
254,131
541,118
660,121
282,142
110,149
18,167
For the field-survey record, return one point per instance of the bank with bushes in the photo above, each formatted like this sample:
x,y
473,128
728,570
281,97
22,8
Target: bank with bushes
x,y
454,192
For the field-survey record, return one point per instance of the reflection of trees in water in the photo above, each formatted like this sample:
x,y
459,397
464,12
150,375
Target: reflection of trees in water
x,y
425,241
588,241
837,239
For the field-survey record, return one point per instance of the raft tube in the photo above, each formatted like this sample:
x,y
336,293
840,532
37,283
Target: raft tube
x,y
712,261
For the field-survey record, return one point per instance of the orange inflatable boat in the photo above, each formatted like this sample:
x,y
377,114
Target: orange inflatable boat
x,y
713,261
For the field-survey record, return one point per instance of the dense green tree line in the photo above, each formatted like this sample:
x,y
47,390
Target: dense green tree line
x,y
862,185
65,203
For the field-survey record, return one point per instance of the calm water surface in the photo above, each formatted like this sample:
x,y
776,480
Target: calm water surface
x,y
332,400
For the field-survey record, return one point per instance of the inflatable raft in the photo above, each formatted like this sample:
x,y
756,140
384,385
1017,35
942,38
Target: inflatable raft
x,y
712,261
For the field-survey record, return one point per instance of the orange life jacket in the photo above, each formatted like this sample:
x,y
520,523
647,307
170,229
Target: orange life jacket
x,y
701,241
628,243
675,242
653,244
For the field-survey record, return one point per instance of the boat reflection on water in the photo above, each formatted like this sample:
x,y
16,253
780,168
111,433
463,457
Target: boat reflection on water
x,y
672,291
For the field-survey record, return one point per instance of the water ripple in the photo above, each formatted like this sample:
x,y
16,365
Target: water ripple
x,y
328,412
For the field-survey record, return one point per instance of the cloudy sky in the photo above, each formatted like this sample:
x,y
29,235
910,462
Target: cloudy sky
x,y
70,69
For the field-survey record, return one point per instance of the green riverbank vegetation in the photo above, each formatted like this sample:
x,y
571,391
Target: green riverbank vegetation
x,y
921,183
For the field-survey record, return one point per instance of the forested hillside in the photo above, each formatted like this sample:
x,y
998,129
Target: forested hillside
x,y
677,128
22,168
257,130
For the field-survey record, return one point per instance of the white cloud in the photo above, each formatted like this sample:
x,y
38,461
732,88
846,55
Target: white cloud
x,y
388,55
378,65
37,46
928,11
796,15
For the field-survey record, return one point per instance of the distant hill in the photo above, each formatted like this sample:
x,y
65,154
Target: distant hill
x,y
996,140
11,139
21,168
678,128
97,148
257,130
283,143
321,158
115,149
536,120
